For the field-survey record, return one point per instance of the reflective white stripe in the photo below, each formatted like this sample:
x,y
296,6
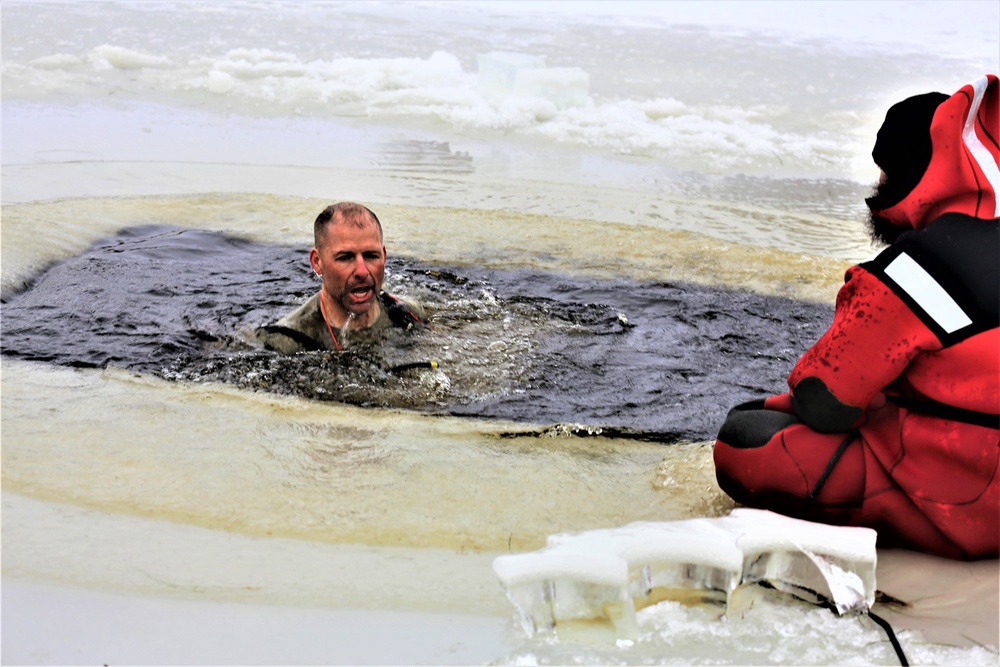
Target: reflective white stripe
x,y
979,152
928,293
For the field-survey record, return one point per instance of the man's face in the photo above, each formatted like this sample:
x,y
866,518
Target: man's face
x,y
880,230
351,260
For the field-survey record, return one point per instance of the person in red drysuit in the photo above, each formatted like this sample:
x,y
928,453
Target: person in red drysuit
x,y
892,420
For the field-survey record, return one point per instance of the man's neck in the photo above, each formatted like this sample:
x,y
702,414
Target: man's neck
x,y
338,317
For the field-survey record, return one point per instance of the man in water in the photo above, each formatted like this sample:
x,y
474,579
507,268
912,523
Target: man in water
x,y
349,257
893,417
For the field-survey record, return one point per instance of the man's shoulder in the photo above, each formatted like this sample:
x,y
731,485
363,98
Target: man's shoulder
x,y
953,240
297,331
304,316
404,313
955,228
948,273
285,339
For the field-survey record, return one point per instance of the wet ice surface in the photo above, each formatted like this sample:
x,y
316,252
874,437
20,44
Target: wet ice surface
x,y
660,361
772,630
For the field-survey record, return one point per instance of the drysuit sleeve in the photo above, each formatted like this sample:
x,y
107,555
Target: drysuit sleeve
x,y
874,337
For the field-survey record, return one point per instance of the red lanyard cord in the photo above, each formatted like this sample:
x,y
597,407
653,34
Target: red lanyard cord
x,y
322,310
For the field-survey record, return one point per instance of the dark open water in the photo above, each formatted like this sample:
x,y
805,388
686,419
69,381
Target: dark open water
x,y
659,361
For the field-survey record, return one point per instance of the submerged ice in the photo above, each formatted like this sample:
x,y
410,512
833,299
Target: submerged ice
x,y
607,576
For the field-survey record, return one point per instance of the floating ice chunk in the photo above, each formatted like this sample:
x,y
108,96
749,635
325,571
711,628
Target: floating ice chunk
x,y
566,87
56,61
607,575
498,70
503,75
220,82
107,56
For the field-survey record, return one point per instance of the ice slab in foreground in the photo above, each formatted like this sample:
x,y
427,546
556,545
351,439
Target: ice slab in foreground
x,y
607,575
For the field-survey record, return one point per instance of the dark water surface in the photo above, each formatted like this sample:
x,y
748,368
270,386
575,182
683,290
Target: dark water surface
x,y
662,361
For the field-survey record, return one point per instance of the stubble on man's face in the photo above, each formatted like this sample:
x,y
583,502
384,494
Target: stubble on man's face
x,y
881,231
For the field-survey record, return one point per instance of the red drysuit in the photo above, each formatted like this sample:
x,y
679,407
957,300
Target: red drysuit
x,y
893,417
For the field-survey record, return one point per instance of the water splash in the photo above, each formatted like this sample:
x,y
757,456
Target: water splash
x,y
344,330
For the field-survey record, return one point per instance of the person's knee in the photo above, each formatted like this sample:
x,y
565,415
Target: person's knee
x,y
749,425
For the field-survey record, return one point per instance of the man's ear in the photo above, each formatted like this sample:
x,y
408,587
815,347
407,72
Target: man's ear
x,y
315,261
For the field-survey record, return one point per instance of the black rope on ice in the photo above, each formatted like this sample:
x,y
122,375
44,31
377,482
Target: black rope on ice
x,y
884,624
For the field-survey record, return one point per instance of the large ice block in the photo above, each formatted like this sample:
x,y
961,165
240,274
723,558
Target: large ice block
x,y
502,75
607,575
812,561
550,587
694,561
499,70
